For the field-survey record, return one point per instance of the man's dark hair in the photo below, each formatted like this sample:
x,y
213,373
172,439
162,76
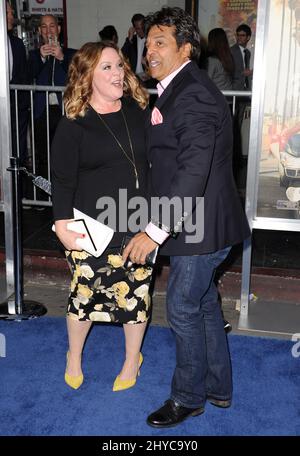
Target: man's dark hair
x,y
244,28
137,17
108,33
186,29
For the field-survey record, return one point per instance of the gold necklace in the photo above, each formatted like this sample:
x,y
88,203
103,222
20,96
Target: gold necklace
x,y
132,161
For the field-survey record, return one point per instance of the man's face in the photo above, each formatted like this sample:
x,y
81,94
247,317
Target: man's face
x,y
48,28
9,17
242,38
163,55
139,28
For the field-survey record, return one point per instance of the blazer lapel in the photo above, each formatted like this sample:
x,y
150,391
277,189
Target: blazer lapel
x,y
172,86
160,102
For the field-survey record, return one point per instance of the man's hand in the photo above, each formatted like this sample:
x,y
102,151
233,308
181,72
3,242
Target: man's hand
x,y
45,50
57,52
131,33
138,248
248,72
52,49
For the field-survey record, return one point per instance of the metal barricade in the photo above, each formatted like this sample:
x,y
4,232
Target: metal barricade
x,y
31,137
231,97
5,201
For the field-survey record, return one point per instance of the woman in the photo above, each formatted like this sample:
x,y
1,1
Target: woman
x,y
220,65
99,149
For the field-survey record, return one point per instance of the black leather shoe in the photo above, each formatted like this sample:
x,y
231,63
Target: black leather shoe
x,y
171,414
219,402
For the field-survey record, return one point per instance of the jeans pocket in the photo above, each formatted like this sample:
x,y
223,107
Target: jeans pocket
x,y
218,257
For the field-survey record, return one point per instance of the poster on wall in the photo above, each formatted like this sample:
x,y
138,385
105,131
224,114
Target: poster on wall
x,y
227,14
46,7
279,162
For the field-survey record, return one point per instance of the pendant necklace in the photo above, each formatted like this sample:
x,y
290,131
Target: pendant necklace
x,y
131,160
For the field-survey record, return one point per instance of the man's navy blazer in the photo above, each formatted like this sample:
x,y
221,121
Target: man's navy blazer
x,y
41,74
130,51
20,69
190,155
19,76
19,72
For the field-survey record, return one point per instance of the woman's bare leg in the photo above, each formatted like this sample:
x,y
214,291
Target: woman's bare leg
x,y
134,335
77,332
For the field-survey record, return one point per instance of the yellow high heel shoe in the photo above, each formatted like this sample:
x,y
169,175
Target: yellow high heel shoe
x,y
120,384
73,382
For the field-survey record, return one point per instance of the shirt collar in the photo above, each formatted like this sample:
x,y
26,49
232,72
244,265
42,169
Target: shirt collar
x,y
163,84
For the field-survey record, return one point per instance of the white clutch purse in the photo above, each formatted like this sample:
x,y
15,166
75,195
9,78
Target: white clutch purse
x,y
97,235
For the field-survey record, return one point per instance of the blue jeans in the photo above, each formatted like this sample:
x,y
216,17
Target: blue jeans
x,y
203,366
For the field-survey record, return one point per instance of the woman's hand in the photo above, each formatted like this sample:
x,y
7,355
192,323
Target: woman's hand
x,y
67,237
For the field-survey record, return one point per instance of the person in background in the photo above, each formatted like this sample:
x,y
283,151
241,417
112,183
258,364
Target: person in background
x,y
98,149
134,46
109,33
18,74
220,65
202,62
242,80
189,146
135,51
220,68
49,67
241,57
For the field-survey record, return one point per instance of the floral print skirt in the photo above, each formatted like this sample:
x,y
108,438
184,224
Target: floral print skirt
x,y
102,289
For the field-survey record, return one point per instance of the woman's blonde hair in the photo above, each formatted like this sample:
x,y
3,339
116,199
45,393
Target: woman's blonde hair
x,y
80,77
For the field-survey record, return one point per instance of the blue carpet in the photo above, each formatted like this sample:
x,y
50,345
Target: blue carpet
x,y
36,401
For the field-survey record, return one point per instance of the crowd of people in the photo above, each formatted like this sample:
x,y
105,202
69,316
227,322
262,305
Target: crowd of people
x,y
228,67
109,141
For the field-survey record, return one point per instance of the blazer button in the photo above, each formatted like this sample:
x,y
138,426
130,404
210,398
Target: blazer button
x,y
150,165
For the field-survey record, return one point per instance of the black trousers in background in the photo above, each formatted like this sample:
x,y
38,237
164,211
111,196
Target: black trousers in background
x,y
40,135
23,117
238,118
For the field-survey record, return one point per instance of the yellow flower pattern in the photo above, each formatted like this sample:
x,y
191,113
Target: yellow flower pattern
x,y
103,290
141,274
79,255
86,271
115,261
121,288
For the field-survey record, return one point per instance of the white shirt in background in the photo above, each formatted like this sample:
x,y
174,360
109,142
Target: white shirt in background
x,y
140,48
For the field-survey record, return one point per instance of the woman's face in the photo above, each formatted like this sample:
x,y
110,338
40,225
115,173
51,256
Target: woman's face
x,y
108,76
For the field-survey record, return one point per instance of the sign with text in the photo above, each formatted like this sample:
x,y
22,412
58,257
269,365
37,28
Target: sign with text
x,y
227,14
54,7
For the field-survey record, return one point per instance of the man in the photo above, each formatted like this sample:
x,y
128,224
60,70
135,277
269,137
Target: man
x,y
190,151
241,56
134,46
18,74
135,51
48,66
242,80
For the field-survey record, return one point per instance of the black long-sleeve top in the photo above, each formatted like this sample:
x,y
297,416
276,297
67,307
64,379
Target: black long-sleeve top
x,y
87,163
